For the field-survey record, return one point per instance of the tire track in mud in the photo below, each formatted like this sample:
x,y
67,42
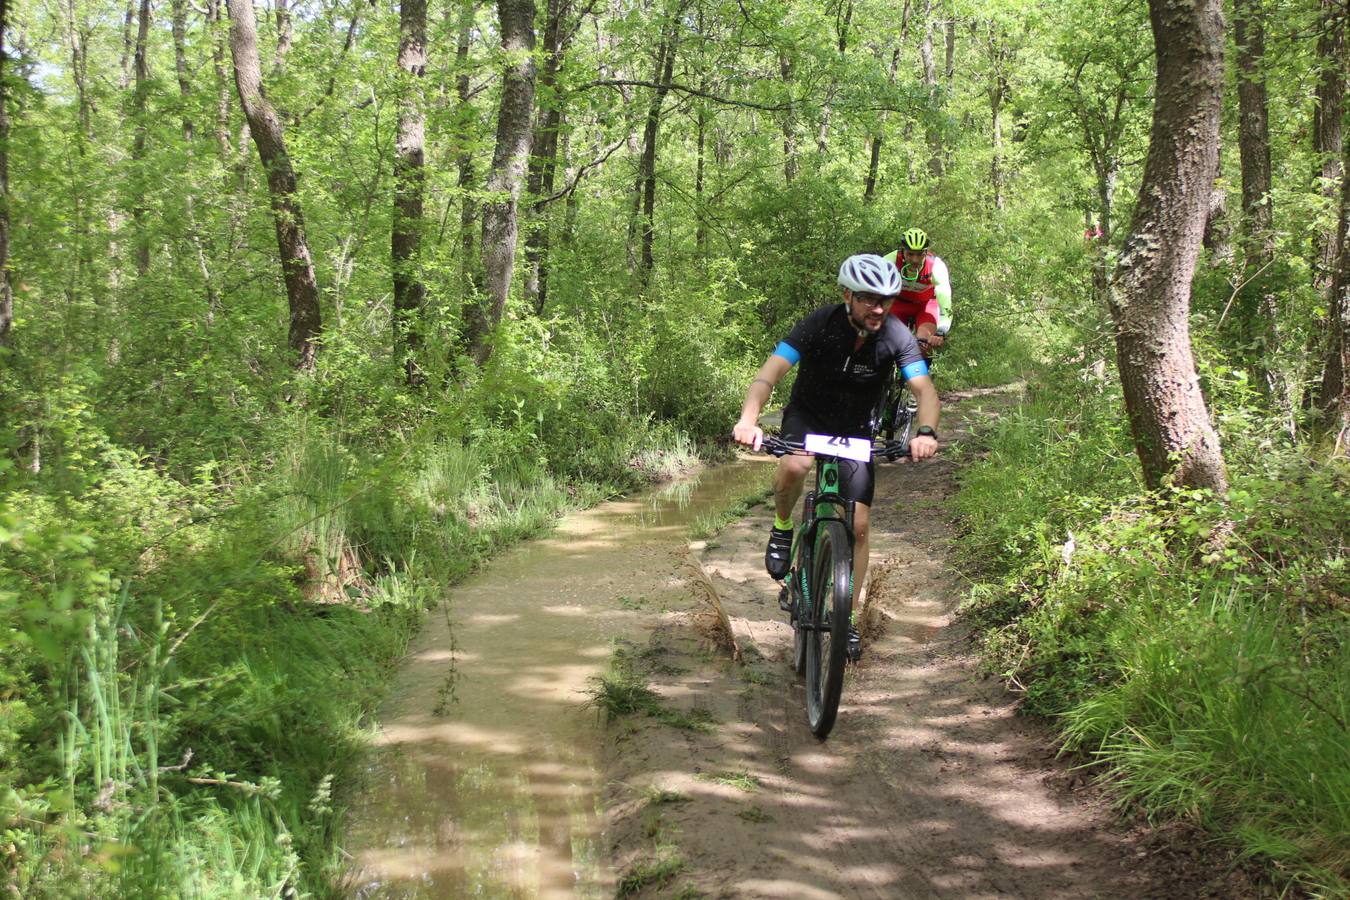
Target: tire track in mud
x,y
929,786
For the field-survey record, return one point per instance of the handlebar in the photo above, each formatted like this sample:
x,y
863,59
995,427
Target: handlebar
x,y
772,444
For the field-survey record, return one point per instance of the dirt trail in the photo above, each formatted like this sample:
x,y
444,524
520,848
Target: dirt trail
x,y
929,786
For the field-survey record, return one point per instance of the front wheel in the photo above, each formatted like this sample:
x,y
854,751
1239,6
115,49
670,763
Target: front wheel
x,y
800,574
826,626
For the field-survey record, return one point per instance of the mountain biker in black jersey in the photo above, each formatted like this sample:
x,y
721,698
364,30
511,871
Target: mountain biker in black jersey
x,y
846,352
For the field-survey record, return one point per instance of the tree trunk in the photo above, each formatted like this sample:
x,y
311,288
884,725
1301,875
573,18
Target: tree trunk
x,y
1150,297
1328,107
949,69
78,41
876,140
220,35
464,119
179,13
789,126
930,82
544,158
842,23
1333,395
874,151
647,166
302,292
6,289
998,93
128,43
284,34
1260,318
409,184
509,161
700,210
1253,134
1218,234
139,101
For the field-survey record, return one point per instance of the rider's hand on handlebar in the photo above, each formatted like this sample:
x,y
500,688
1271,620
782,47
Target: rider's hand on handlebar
x,y
921,446
927,334
749,434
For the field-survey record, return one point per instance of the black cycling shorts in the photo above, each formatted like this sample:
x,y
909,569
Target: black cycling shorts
x,y
856,479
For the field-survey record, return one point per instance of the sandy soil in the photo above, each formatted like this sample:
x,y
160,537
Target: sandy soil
x,y
930,784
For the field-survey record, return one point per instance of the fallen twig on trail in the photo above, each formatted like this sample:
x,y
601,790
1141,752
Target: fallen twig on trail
x,y
716,626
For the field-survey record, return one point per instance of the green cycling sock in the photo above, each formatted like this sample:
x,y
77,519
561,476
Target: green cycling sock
x,y
780,524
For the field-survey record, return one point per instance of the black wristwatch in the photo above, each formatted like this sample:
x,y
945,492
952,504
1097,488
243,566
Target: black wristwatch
x,y
926,431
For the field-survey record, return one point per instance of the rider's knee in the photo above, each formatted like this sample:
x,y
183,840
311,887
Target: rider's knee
x,y
861,531
794,468
862,523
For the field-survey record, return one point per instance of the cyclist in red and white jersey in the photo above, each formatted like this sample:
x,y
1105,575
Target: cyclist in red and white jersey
x,y
925,301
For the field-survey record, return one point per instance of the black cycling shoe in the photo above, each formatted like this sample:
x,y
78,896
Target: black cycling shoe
x,y
776,555
854,644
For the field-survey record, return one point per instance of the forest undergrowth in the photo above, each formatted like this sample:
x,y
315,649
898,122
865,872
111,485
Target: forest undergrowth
x,y
1193,650
196,636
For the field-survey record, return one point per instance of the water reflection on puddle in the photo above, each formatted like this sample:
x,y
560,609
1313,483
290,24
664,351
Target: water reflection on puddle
x,y
486,778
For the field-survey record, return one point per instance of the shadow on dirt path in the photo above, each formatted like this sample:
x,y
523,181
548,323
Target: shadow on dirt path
x,y
929,786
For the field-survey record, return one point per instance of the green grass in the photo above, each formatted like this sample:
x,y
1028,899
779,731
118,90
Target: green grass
x,y
651,872
741,781
622,692
708,524
656,796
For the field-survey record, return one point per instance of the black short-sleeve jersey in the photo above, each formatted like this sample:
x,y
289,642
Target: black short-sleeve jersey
x,y
840,382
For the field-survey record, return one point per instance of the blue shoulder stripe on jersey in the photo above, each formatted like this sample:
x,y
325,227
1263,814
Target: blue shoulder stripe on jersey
x,y
791,354
915,369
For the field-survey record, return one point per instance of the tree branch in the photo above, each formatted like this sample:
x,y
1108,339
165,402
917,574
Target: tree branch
x,y
725,101
598,161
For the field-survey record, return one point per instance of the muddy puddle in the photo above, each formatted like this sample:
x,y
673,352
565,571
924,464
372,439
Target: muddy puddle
x,y
486,777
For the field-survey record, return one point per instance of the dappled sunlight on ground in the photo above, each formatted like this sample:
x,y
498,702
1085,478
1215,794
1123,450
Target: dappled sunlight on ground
x,y
929,786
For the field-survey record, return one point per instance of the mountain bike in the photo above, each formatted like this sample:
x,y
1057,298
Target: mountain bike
x,y
818,590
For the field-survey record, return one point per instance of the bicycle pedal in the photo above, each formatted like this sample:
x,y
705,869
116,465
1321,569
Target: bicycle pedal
x,y
854,651
784,600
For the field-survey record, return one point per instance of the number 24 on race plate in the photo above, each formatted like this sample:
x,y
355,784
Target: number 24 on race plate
x,y
845,448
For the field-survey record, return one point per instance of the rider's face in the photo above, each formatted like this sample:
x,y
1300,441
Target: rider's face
x,y
868,311
913,257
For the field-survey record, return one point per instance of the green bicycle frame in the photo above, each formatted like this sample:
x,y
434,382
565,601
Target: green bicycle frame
x,y
822,505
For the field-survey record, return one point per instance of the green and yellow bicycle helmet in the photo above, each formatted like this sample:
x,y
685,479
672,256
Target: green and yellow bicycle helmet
x,y
914,239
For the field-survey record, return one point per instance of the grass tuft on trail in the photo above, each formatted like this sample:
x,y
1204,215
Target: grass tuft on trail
x,y
621,691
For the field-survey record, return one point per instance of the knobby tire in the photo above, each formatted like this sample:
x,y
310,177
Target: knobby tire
x,y
799,605
830,609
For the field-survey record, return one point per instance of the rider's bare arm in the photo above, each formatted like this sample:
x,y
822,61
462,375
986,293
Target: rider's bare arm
x,y
747,430
942,290
922,446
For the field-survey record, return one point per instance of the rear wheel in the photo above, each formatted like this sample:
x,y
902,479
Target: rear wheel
x,y
826,631
899,416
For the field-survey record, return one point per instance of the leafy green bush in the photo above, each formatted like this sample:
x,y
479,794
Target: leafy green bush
x,y
1193,646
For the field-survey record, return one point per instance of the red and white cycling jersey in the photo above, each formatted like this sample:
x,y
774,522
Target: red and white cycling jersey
x,y
925,294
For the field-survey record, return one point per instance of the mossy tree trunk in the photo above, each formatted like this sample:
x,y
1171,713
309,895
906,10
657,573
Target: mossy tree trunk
x,y
1151,290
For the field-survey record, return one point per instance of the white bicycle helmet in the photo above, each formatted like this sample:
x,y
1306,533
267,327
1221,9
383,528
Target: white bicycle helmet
x,y
870,273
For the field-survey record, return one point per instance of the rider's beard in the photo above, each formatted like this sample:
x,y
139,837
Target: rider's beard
x,y
861,326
